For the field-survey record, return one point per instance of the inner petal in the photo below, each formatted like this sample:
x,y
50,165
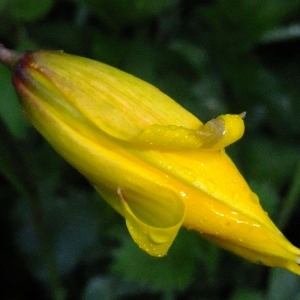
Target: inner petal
x,y
152,223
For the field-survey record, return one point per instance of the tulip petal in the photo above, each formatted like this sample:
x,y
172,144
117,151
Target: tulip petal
x,y
288,258
153,224
168,137
214,135
223,131
118,103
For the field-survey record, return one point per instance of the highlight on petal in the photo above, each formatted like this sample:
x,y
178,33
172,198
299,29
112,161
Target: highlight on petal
x,y
153,224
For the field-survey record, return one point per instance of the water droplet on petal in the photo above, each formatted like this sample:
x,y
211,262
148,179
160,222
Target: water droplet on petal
x,y
183,194
158,238
254,198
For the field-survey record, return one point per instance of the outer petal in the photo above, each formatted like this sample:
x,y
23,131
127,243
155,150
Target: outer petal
x,y
282,258
127,106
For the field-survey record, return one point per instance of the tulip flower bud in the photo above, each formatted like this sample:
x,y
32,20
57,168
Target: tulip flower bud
x,y
150,159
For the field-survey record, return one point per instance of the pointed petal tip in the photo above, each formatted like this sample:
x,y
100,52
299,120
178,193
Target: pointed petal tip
x,y
243,115
294,268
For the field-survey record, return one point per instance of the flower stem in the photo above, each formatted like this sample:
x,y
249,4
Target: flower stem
x,y
8,57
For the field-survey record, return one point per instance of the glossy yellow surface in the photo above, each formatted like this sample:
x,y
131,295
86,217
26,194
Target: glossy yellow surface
x,y
154,162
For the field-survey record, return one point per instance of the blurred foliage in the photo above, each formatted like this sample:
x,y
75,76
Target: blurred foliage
x,y
213,57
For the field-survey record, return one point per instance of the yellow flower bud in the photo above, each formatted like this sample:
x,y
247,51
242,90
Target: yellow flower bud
x,y
149,158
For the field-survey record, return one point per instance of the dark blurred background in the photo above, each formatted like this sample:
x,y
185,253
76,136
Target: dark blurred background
x,y
58,239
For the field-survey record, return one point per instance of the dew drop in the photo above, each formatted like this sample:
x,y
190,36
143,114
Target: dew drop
x,y
158,238
183,194
235,196
254,198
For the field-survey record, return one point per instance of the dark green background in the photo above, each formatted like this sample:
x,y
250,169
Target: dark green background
x,y
58,238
